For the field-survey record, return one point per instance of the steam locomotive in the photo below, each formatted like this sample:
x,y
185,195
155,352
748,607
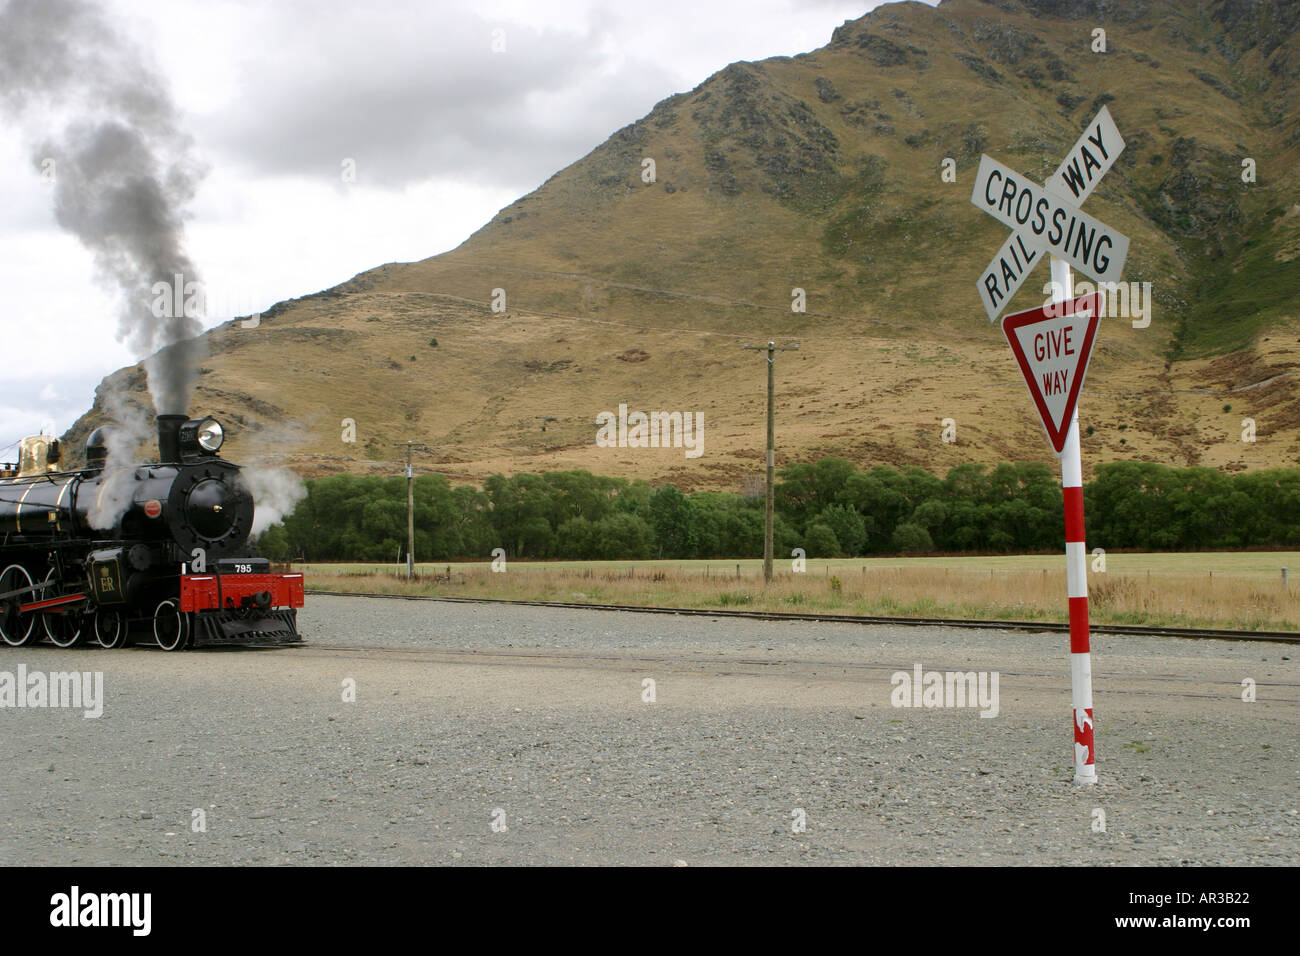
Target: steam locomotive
x,y
172,563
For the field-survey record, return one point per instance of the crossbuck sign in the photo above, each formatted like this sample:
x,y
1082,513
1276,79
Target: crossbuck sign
x,y
1047,219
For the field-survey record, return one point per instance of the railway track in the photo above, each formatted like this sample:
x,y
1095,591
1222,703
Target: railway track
x,y
1281,637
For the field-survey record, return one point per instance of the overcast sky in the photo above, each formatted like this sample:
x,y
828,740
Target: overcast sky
x,y
443,131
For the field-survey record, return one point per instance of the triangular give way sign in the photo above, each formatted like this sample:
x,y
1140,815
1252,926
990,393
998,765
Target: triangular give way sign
x,y
1052,346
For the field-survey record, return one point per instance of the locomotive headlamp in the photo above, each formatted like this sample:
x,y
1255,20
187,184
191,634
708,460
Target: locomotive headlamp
x,y
211,434
201,435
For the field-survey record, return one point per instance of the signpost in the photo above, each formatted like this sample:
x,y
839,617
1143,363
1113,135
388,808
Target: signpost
x,y
1053,344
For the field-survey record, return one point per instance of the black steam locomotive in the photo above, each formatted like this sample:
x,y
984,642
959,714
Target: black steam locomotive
x,y
173,563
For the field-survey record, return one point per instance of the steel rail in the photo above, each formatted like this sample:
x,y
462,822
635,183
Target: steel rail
x,y
1284,637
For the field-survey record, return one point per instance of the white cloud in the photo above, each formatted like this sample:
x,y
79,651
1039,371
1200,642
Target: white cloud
x,y
444,133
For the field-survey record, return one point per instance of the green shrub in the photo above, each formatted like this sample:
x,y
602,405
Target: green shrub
x,y
912,538
820,542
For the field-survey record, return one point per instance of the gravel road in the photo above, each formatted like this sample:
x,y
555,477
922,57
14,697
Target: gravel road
x,y
488,734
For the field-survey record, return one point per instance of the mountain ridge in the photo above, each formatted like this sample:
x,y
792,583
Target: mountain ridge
x,y
821,172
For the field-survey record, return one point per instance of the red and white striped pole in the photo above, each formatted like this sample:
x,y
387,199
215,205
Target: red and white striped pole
x,y
1076,569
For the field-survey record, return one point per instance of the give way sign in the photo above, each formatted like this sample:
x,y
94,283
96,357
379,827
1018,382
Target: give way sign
x,y
1052,345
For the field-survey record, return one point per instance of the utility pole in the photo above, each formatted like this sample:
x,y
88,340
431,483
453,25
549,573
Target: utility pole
x,y
771,348
410,505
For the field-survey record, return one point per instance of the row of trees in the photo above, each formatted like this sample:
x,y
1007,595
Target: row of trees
x,y
828,507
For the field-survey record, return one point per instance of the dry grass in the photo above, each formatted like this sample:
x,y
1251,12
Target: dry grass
x,y
1246,600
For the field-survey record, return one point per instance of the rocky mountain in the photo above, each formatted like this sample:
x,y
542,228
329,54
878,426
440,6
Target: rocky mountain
x,y
819,179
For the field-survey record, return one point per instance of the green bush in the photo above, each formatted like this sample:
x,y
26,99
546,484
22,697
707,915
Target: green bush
x,y
912,539
849,528
820,542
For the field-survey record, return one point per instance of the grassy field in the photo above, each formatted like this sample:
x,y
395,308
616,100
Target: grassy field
x,y
1228,590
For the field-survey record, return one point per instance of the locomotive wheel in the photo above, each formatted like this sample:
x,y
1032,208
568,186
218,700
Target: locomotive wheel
x,y
171,626
16,629
109,628
63,629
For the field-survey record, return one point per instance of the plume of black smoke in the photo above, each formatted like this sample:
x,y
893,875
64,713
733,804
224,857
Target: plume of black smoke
x,y
123,170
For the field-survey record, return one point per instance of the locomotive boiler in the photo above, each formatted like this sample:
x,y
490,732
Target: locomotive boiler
x,y
106,553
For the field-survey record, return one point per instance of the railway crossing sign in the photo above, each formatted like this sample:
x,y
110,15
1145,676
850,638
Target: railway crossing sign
x,y
1088,159
1047,218
1052,345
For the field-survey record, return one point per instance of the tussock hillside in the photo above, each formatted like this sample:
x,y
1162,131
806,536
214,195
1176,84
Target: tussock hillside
x,y
822,172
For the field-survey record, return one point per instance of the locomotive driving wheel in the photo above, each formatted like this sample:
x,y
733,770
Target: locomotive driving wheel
x,y
109,627
171,626
64,629
17,629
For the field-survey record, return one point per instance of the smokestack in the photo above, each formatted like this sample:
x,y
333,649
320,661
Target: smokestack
x,y
169,438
